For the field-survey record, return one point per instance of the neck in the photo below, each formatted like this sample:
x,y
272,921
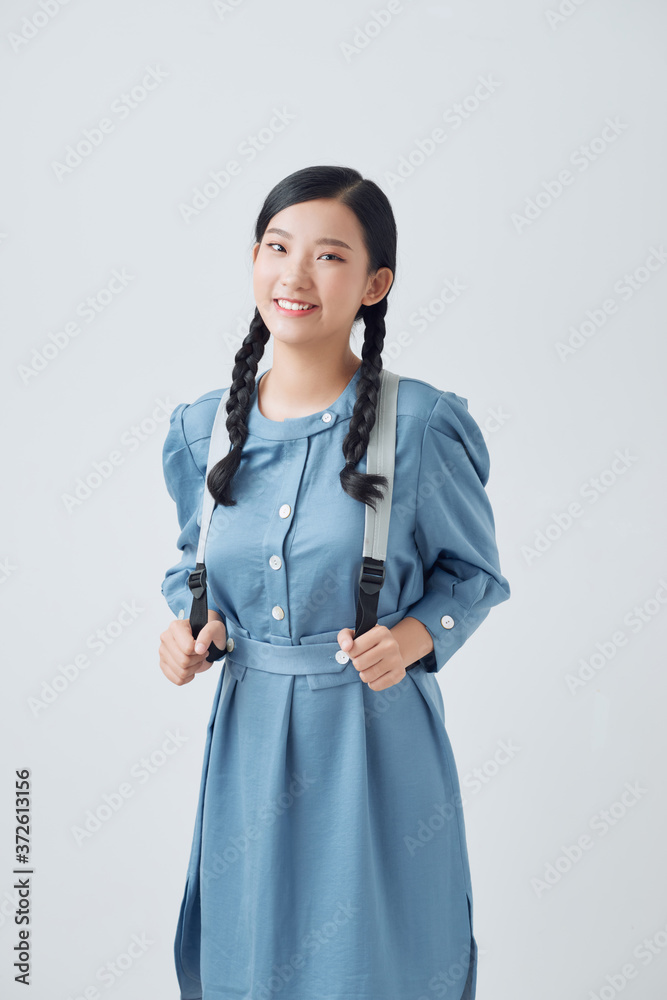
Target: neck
x,y
298,383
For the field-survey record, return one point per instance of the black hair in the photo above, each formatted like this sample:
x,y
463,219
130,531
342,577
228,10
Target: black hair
x,y
373,210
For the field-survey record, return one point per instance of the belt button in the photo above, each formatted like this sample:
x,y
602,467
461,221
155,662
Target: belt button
x,y
230,644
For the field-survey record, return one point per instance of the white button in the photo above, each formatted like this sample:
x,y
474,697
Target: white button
x,y
326,417
342,656
230,644
181,613
275,562
285,510
277,612
447,622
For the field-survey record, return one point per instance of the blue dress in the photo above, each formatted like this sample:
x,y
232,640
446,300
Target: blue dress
x,y
329,857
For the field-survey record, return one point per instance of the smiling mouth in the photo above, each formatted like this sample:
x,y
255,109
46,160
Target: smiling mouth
x,y
286,305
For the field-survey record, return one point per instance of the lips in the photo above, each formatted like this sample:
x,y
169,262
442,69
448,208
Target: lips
x,y
300,308
295,302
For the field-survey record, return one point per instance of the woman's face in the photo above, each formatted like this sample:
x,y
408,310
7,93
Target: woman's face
x,y
314,253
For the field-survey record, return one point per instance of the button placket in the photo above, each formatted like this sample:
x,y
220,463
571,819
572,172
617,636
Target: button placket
x,y
280,522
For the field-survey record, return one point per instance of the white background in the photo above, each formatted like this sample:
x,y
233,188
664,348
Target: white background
x,y
553,84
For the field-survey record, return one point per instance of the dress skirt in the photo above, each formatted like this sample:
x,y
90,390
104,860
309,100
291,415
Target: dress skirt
x,y
329,856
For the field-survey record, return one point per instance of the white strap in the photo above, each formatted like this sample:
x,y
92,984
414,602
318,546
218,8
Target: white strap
x,y
380,457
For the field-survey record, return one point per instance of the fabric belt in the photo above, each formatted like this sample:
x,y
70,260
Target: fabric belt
x,y
314,656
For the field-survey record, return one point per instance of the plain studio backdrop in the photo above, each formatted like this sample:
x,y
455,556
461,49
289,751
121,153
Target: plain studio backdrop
x,y
522,146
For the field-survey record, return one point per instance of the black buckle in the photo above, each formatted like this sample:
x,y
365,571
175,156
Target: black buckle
x,y
372,575
197,582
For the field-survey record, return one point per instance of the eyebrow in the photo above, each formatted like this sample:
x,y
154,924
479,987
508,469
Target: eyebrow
x,y
323,240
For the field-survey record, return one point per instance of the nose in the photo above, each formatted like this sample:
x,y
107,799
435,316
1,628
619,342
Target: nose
x,y
296,274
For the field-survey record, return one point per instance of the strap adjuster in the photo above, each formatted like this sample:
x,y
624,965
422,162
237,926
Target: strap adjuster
x,y
372,575
197,582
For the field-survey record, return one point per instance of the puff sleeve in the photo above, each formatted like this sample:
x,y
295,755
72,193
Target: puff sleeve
x,y
185,484
454,531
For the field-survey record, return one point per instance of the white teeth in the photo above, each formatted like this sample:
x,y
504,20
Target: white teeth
x,y
294,306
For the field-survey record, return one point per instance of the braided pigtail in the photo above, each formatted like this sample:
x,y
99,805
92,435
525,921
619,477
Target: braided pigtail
x,y
374,214
244,374
363,486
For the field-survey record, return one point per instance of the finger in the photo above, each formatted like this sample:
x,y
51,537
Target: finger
x,y
181,633
345,639
366,641
205,666
213,632
386,681
174,675
180,667
382,676
180,644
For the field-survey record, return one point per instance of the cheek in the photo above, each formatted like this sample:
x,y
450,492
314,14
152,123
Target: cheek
x,y
345,286
263,276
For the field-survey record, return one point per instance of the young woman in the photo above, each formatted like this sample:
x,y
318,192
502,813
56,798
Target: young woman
x,y
329,857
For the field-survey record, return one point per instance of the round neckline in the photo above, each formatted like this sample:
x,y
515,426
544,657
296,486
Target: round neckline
x,y
311,423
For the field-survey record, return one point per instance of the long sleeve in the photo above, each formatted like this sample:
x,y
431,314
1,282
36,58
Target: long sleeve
x,y
455,531
185,483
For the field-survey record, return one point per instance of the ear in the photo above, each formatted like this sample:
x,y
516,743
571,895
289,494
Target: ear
x,y
255,251
379,286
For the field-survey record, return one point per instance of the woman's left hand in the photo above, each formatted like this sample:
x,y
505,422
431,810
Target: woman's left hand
x,y
376,655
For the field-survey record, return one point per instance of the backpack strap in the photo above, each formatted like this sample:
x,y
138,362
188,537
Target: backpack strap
x,y
219,446
380,455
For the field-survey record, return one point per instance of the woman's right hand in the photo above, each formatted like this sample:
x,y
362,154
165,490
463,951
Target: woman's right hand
x,y
178,660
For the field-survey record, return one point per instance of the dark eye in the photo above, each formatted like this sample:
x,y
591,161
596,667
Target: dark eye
x,y
334,255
